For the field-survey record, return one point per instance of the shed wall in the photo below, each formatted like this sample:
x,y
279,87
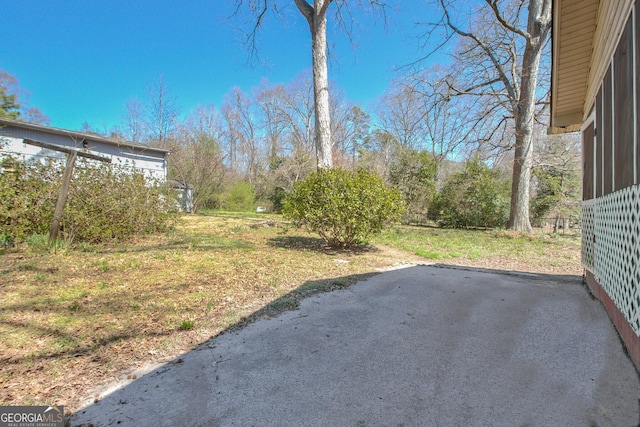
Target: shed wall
x,y
151,162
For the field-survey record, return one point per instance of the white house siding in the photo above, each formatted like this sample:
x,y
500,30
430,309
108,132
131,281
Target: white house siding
x,y
151,161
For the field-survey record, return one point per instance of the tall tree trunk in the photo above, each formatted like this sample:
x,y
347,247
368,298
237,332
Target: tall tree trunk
x,y
522,97
316,16
522,162
537,30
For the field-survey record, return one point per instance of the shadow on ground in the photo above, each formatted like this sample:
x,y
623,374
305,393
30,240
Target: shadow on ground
x,y
317,245
425,345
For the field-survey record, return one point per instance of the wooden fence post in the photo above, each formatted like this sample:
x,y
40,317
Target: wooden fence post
x,y
62,196
72,154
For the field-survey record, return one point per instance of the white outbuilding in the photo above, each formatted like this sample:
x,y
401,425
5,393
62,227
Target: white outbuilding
x,y
28,141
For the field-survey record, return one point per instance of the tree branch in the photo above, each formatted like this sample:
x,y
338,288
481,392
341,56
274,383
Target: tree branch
x,y
306,10
493,4
469,90
498,67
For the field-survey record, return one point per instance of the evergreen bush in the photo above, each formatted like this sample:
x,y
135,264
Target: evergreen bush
x,y
113,202
239,198
414,174
344,207
474,197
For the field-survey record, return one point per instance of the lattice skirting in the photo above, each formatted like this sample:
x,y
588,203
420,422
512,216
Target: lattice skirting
x,y
611,248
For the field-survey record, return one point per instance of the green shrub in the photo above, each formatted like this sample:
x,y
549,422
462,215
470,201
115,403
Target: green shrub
x,y
39,243
28,194
113,202
474,197
239,198
344,207
187,325
105,202
277,199
557,194
414,174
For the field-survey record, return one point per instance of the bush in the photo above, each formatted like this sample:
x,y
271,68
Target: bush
x,y
557,194
474,197
105,202
28,195
414,174
277,199
344,207
110,202
239,198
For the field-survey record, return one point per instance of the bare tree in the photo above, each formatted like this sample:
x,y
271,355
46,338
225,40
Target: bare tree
x,y
240,113
162,113
298,137
315,14
14,101
502,48
402,112
379,149
351,125
453,125
231,137
134,126
299,112
197,158
35,115
271,101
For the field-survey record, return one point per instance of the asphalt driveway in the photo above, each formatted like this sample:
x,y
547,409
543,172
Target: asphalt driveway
x,y
420,346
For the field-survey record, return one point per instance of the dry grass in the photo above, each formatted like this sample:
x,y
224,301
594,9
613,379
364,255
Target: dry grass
x,y
540,252
73,320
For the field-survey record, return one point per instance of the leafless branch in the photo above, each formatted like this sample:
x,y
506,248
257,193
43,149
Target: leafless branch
x,y
490,54
493,4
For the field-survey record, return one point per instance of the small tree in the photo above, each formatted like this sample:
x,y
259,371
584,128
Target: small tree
x,y
557,195
414,174
344,207
474,197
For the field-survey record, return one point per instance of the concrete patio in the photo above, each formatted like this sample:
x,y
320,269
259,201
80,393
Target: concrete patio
x,y
425,345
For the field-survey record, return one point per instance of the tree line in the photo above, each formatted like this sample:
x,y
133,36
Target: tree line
x,y
252,149
485,110
498,52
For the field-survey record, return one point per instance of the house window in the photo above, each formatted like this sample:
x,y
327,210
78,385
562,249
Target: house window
x,y
587,162
605,164
597,148
624,175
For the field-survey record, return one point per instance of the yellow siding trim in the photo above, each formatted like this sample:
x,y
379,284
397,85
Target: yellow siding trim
x,y
612,17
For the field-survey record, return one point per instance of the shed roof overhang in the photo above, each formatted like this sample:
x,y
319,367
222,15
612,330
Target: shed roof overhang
x,y
574,27
81,136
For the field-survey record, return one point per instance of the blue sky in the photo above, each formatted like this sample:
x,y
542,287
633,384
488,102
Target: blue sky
x,y
83,60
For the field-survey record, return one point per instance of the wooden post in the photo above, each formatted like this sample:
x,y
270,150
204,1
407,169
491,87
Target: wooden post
x,y
62,196
66,180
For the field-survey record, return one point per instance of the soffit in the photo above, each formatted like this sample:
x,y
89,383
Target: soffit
x,y
574,27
